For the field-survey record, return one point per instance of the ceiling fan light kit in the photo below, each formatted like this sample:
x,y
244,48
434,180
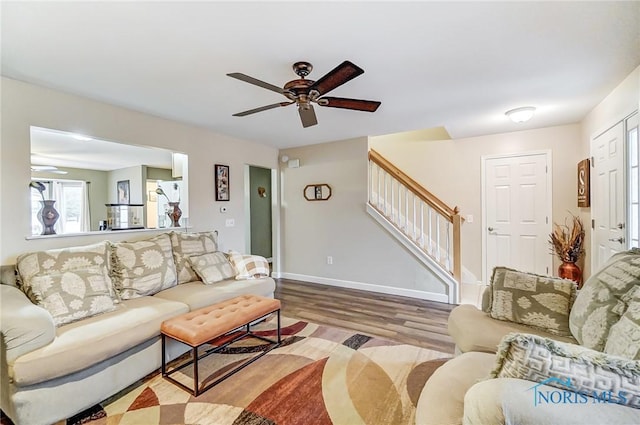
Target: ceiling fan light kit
x,y
304,92
47,169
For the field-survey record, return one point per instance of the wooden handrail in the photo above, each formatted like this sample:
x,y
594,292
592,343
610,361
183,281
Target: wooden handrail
x,y
415,187
450,214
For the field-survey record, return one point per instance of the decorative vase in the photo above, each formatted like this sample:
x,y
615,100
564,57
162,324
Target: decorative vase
x,y
175,213
571,271
48,216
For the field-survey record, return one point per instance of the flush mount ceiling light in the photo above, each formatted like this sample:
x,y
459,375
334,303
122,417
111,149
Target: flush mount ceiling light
x,y
81,137
521,114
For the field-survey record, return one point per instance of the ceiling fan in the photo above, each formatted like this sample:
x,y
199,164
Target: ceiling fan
x,y
304,92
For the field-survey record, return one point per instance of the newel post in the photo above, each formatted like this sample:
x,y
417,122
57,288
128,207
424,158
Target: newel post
x,y
457,257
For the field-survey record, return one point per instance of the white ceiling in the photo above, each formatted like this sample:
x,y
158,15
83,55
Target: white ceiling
x,y
63,149
458,65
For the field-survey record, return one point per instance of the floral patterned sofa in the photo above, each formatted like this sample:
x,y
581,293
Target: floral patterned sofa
x,y
538,353
80,324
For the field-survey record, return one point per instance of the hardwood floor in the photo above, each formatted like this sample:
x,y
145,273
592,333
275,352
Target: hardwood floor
x,y
407,320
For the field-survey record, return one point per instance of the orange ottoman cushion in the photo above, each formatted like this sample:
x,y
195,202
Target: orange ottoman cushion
x,y
202,325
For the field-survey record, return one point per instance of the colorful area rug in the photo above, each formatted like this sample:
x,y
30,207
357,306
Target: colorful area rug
x,y
319,375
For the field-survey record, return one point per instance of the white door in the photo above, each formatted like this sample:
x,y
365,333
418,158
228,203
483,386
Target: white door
x,y
517,207
633,186
607,198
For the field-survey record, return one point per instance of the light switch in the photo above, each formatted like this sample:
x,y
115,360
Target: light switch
x,y
469,218
230,222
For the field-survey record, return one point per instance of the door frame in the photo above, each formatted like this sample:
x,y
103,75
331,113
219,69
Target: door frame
x,y
275,214
625,180
483,173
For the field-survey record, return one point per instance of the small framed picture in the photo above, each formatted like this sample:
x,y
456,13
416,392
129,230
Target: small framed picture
x,y
222,182
123,192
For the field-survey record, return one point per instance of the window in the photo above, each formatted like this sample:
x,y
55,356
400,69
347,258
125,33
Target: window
x,y
71,203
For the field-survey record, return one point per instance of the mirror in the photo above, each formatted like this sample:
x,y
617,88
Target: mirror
x,y
101,185
317,192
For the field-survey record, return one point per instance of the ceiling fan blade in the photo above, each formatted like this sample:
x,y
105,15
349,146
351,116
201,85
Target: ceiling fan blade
x,y
262,108
255,81
307,116
344,103
342,73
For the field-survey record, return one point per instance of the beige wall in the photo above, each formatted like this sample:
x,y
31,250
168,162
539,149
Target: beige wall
x,y
451,170
364,255
621,102
24,105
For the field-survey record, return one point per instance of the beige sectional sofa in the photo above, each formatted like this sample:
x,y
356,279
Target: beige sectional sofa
x,y
510,373
53,372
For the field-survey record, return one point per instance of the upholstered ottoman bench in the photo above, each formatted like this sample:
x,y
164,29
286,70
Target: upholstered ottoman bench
x,y
219,325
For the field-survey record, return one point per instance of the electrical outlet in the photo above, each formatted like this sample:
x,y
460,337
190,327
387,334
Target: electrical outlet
x,y
329,260
230,222
469,218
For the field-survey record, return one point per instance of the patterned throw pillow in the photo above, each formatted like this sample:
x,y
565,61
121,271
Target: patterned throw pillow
x,y
186,245
624,336
570,367
603,299
143,267
73,295
538,301
248,266
212,267
43,263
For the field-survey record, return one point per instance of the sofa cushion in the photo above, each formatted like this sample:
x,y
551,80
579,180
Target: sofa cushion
x,y
568,366
61,260
624,336
437,406
198,295
73,295
143,267
248,266
81,344
187,244
604,298
539,301
25,326
212,267
513,401
474,330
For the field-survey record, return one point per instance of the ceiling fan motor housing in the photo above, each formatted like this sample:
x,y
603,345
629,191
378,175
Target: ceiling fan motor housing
x,y
302,68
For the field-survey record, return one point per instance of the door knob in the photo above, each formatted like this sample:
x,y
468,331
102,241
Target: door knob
x,y
491,229
620,226
619,240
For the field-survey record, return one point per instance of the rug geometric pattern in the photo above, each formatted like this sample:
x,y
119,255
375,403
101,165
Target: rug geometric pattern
x,y
319,375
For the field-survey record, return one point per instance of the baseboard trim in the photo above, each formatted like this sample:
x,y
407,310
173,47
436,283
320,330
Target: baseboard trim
x,y
390,290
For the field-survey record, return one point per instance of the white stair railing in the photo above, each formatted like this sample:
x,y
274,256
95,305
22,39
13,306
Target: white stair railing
x,y
419,215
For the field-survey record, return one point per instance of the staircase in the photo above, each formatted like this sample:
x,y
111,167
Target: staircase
x,y
424,224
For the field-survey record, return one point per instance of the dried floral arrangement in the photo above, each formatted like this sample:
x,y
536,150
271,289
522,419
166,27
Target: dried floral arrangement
x,y
567,242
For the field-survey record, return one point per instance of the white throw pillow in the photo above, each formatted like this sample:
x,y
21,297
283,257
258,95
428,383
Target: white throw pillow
x,y
144,267
212,267
249,266
73,295
185,245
